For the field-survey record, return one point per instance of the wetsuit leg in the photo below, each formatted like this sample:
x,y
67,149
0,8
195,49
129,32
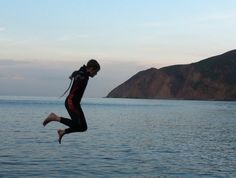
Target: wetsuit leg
x,y
77,123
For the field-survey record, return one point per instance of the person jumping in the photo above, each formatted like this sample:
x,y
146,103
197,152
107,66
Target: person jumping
x,y
77,123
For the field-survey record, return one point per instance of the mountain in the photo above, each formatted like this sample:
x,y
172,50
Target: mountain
x,y
213,78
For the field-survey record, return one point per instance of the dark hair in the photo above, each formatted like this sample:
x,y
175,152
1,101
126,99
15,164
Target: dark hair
x,y
92,63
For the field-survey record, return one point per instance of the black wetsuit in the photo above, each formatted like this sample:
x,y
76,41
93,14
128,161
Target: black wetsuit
x,y
77,123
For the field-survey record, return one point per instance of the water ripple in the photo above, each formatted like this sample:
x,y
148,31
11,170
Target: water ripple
x,y
126,138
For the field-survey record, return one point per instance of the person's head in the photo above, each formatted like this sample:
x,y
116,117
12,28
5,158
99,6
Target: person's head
x,y
92,67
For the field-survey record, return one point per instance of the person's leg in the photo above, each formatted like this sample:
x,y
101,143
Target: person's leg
x,y
53,117
77,123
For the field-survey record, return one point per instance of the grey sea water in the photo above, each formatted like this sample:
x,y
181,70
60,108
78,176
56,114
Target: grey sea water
x,y
125,138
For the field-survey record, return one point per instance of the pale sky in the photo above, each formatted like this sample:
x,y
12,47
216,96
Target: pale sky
x,y
42,42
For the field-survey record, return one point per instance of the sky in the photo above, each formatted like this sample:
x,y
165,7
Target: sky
x,y
43,42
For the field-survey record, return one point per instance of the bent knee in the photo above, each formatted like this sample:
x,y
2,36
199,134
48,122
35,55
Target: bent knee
x,y
84,129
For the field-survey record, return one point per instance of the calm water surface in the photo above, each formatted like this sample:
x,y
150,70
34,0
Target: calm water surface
x,y
125,138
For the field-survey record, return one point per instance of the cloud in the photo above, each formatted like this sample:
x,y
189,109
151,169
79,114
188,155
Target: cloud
x,y
221,17
2,29
12,62
50,78
12,69
154,24
73,37
18,77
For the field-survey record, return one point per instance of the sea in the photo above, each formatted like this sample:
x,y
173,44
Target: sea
x,y
125,138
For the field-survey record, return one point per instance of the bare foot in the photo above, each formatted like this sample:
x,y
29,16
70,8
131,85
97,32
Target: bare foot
x,y
61,133
51,117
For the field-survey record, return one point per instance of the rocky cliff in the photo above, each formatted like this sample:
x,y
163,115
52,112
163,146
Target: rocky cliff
x,y
211,79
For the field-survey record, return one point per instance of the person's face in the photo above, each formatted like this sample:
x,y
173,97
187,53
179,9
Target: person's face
x,y
93,72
